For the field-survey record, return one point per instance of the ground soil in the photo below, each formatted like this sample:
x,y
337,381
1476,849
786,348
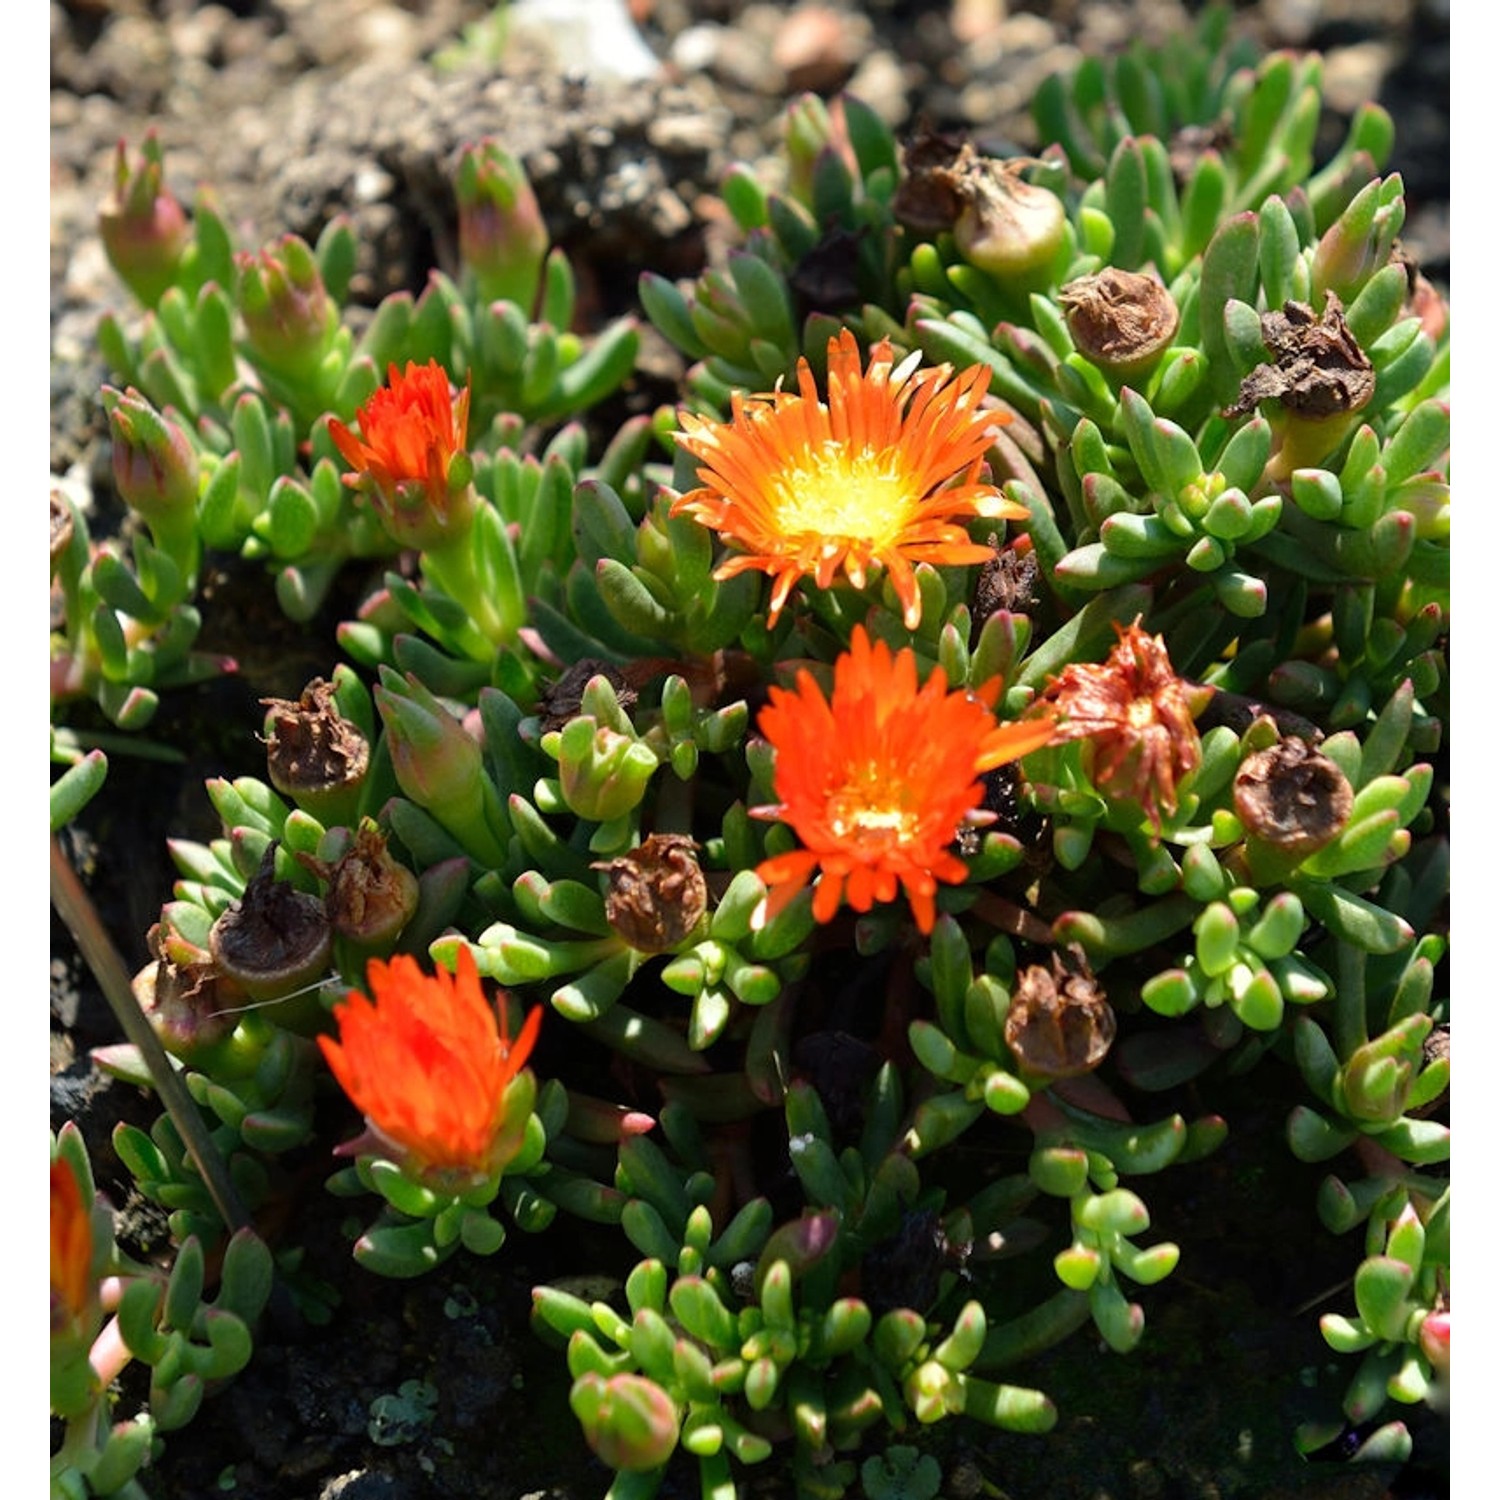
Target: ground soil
x,y
295,110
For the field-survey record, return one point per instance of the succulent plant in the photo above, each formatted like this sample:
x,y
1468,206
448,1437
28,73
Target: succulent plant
x,y
1009,685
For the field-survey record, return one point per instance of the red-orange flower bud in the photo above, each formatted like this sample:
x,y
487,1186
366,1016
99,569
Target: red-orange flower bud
x,y
430,1066
409,461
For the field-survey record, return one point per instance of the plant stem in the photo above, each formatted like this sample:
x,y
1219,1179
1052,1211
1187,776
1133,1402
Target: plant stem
x,y
108,968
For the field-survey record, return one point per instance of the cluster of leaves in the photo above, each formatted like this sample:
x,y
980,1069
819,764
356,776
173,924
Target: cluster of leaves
x,y
561,760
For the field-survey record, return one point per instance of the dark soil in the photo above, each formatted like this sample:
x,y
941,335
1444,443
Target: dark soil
x,y
296,110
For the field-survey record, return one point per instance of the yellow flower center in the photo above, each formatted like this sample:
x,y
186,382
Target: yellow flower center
x,y
858,808
836,493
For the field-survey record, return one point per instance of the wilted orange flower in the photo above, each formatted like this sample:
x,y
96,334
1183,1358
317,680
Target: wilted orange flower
x,y
411,429
428,1063
1134,709
882,475
72,1249
877,782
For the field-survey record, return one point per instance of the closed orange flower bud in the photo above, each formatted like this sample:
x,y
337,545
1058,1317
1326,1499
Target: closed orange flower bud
x,y
409,461
430,1065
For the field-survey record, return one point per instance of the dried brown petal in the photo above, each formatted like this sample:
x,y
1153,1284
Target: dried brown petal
x,y
657,894
1060,1023
561,700
926,202
1292,797
1121,320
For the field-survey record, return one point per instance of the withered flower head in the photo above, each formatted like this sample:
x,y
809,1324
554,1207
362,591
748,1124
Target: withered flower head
x,y
657,894
926,201
1006,226
1008,581
313,754
1121,320
1318,369
1060,1023
370,897
190,1004
1292,797
275,940
1133,709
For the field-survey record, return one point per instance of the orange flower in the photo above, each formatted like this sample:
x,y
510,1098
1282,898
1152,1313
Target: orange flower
x,y
429,1065
883,475
1134,709
413,429
72,1249
876,782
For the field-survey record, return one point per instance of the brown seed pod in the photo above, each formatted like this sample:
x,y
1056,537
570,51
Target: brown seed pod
x,y
1292,798
274,940
1060,1023
657,894
314,755
1120,320
370,896
1006,226
191,1006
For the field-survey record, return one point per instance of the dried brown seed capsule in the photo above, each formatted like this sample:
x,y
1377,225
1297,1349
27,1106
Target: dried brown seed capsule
x,y
1006,226
314,755
189,1004
1060,1023
370,897
275,940
1007,581
1319,375
1319,369
1121,320
1292,799
657,894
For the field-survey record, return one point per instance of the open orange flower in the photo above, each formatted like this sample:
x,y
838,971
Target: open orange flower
x,y
413,428
882,475
877,781
429,1065
72,1249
